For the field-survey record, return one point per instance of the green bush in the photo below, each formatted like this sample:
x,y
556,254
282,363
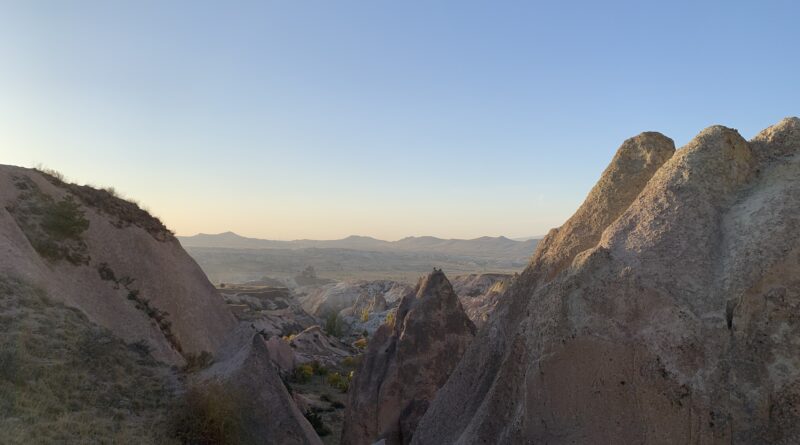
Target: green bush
x,y
339,381
352,362
334,326
65,219
54,228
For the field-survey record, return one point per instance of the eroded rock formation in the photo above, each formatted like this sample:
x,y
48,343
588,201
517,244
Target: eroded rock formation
x,y
663,311
406,362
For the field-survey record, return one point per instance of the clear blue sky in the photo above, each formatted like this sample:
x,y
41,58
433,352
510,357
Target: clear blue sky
x,y
319,119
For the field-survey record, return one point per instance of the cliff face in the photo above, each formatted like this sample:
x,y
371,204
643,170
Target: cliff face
x,y
109,289
406,363
663,311
110,259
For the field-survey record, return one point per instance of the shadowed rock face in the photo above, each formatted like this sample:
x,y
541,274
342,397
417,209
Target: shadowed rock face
x,y
133,277
406,363
123,270
271,415
664,311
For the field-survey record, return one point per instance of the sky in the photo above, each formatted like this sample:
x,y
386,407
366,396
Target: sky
x,y
322,119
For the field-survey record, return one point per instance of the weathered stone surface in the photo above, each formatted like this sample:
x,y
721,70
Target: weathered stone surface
x,y
664,311
342,296
136,280
405,364
313,344
480,293
271,415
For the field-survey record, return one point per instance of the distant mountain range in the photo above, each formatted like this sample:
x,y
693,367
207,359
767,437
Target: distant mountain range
x,y
486,246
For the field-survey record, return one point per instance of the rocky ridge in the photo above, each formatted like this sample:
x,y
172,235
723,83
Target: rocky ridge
x,y
663,311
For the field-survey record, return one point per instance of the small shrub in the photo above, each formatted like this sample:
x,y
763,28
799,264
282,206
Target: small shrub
x,y
141,347
352,362
364,315
54,228
65,219
107,274
208,414
302,373
196,362
334,325
361,343
339,382
319,368
390,319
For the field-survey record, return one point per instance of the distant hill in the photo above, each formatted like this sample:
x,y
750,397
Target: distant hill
x,y
484,247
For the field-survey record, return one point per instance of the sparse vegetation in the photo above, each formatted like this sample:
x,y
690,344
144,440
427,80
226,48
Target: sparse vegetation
x,y
339,381
316,421
122,212
319,369
364,315
158,316
197,362
334,325
54,228
302,373
390,319
65,380
361,343
209,414
64,219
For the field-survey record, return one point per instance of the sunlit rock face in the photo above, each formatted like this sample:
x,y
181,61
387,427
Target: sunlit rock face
x,y
664,311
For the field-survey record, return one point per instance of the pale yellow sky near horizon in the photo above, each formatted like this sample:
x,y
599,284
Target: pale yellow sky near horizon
x,y
276,217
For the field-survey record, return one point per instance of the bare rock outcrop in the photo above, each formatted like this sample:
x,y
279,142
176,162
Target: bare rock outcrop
x,y
663,311
271,310
480,293
334,298
116,263
270,415
314,345
87,251
406,363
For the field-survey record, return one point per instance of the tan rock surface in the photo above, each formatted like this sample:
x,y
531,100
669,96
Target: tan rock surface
x,y
406,363
271,417
159,269
480,293
663,311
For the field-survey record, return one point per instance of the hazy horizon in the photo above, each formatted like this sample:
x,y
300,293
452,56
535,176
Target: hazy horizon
x,y
513,238
286,120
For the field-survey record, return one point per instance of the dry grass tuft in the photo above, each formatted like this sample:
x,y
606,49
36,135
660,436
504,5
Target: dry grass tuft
x,y
65,380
